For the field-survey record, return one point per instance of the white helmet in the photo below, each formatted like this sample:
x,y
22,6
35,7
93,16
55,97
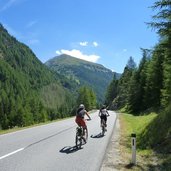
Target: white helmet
x,y
81,106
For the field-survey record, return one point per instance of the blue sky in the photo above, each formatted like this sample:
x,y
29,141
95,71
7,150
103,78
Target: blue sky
x,y
102,31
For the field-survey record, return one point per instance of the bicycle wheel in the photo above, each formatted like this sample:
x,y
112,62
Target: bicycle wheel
x,y
78,142
85,137
103,130
103,127
78,139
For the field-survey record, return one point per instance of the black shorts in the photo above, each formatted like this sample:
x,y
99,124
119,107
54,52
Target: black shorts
x,y
103,117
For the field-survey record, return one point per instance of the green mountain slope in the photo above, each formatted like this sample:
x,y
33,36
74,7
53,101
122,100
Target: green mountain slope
x,y
29,91
82,72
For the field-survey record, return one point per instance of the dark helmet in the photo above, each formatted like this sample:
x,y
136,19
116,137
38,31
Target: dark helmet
x,y
103,106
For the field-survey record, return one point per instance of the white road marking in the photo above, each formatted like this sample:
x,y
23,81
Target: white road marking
x,y
9,154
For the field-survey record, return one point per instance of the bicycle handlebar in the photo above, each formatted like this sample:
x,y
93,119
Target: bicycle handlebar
x,y
106,115
88,119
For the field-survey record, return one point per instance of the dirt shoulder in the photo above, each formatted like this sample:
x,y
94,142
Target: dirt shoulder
x,y
118,155
112,159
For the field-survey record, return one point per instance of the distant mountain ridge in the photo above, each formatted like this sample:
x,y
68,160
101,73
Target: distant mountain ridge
x,y
29,91
83,73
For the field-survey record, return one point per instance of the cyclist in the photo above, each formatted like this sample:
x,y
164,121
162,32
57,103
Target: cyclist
x,y
81,112
103,113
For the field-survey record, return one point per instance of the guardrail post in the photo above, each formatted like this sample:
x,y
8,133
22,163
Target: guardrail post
x,y
133,140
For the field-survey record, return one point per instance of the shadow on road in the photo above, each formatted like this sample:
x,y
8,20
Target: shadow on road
x,y
97,136
69,149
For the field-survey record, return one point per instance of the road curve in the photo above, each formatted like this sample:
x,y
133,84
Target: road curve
x,y
51,147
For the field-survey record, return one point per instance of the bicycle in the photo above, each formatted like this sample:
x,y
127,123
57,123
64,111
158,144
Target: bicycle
x,y
103,126
81,136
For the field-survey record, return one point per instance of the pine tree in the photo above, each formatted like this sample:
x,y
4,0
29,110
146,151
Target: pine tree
x,y
124,83
163,26
137,84
154,80
131,63
93,99
87,97
112,91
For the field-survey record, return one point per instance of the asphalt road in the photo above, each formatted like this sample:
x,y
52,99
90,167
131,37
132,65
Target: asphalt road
x,y
51,147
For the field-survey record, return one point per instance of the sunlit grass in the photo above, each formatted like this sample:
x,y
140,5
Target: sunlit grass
x,y
147,158
135,124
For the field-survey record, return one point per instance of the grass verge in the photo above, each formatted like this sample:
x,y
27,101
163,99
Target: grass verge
x,y
146,159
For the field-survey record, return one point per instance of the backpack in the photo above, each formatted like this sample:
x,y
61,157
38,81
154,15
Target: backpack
x,y
81,113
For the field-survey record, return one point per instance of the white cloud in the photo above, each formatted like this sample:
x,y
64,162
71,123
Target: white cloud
x,y
58,52
79,54
83,43
95,44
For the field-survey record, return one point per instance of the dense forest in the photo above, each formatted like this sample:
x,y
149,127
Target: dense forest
x,y
147,87
87,97
30,92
